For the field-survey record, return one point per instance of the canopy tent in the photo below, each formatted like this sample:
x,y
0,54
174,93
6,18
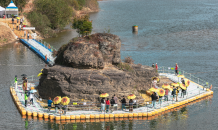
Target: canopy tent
x,y
2,11
11,9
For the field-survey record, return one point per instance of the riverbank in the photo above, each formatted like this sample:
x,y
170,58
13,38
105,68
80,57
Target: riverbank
x,y
6,34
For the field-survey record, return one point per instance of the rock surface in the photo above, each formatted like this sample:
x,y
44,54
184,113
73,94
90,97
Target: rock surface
x,y
90,52
87,67
89,83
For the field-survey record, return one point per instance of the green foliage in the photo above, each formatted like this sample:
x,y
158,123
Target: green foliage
x,y
41,22
83,25
125,66
57,11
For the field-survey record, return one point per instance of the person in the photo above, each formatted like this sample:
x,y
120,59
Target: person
x,y
24,33
107,105
154,83
21,21
17,20
123,101
31,98
156,67
24,85
28,35
160,100
130,105
174,92
57,106
116,102
20,27
183,90
17,25
12,20
176,69
154,98
49,103
166,95
26,98
64,108
112,104
102,105
153,65
177,92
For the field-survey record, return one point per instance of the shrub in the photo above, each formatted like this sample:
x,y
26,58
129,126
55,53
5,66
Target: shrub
x,y
125,66
41,22
128,60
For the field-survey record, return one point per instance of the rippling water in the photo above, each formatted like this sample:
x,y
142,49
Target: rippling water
x,y
170,31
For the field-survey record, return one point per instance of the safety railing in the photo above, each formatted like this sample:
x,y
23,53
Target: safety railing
x,y
96,106
187,75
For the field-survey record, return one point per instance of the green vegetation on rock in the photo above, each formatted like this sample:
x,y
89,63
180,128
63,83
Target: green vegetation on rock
x,y
83,25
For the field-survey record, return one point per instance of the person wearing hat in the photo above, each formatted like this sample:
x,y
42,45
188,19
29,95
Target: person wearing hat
x,y
176,69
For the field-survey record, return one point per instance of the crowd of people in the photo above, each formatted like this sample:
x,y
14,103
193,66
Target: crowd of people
x,y
175,90
20,26
112,104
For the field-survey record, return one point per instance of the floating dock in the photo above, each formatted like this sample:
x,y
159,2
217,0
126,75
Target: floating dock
x,y
41,50
195,92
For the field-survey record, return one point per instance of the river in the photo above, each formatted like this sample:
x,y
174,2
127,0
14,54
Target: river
x,y
170,31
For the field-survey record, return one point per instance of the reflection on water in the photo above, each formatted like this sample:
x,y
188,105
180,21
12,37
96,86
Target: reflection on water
x,y
177,118
170,31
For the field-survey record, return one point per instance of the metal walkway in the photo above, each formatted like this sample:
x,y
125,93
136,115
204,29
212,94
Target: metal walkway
x,y
41,50
192,91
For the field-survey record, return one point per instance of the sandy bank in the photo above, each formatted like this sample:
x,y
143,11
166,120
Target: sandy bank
x,y
6,34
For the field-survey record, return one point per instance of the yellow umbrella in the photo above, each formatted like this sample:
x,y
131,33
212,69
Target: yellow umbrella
x,y
104,95
65,101
182,76
24,23
183,86
165,86
187,83
57,100
161,92
39,74
153,89
175,84
131,96
18,17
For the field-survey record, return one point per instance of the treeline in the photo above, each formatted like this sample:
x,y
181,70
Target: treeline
x,y
50,15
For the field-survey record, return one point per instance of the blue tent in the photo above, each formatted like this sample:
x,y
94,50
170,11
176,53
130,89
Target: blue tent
x,y
11,9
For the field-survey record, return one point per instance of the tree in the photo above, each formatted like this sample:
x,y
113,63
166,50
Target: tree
x,y
83,25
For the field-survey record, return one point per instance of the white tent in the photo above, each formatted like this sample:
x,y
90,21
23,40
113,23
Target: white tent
x,y
11,9
2,11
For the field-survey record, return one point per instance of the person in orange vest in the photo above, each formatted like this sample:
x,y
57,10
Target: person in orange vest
x,y
49,46
45,57
156,66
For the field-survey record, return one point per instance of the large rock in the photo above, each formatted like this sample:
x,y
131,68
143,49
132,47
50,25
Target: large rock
x,y
89,66
89,83
90,52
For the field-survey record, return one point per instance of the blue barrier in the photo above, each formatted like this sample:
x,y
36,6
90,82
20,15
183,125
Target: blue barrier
x,y
36,51
42,45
